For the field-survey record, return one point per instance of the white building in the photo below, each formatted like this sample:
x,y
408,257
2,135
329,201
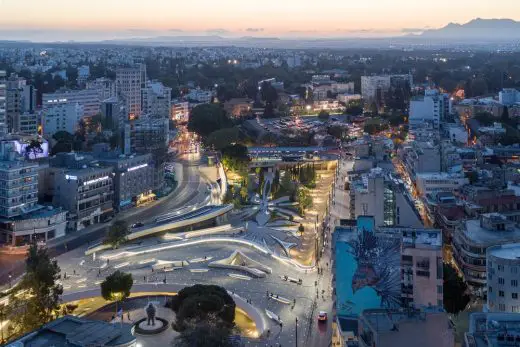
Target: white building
x,y
347,98
373,86
180,111
509,96
27,123
88,98
432,108
129,82
503,277
202,96
458,133
61,117
3,103
106,88
430,183
156,99
338,87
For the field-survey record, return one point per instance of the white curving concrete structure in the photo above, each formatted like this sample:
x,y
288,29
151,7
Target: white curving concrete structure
x,y
239,261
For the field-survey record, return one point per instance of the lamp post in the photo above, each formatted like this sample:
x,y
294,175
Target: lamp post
x,y
296,332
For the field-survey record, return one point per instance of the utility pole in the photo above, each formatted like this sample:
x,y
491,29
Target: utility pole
x,y
296,335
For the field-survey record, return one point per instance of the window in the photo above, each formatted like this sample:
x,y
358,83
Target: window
x,y
514,296
501,307
514,269
514,283
439,289
515,309
501,293
501,280
500,267
490,289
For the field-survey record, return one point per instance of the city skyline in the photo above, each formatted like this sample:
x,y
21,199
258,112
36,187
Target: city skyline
x,y
75,20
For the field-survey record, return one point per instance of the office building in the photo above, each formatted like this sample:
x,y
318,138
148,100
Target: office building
x,y
432,183
432,108
22,219
105,87
3,104
156,100
78,332
83,188
28,99
133,176
509,96
83,74
471,240
113,110
380,195
13,106
61,117
129,82
201,96
490,329
421,157
503,266
27,124
88,98
426,327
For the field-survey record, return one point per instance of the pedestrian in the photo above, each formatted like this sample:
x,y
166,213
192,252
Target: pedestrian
x,y
65,276
144,278
267,293
74,272
128,315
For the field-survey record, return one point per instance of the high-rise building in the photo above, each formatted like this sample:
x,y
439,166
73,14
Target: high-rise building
x,y
373,88
379,195
88,98
129,82
3,104
28,99
432,108
61,117
106,87
503,268
156,100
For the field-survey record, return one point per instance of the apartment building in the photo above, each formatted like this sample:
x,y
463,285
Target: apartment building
x,y
129,82
87,98
61,117
156,99
503,266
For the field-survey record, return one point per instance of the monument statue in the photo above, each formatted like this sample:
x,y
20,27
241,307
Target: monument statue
x,y
150,313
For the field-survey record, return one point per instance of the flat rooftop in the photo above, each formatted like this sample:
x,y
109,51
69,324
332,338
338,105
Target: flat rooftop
x,y
508,251
478,234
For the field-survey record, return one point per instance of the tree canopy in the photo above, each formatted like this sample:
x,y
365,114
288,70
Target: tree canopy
x,y
222,138
40,302
117,286
117,233
323,115
455,297
234,157
203,303
207,118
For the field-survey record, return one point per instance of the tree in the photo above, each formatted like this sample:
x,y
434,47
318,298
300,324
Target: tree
x,y
304,199
40,302
206,334
323,115
222,138
235,157
117,286
268,93
455,295
484,118
207,118
203,303
244,194
117,233
505,116
337,131
33,149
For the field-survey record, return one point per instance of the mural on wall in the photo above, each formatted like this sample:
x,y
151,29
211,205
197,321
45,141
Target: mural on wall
x,y
368,271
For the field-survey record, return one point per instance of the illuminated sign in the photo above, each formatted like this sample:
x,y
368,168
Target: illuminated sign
x,y
137,167
95,180
73,178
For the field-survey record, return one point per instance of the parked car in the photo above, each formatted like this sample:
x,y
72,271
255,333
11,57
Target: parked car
x,y
322,316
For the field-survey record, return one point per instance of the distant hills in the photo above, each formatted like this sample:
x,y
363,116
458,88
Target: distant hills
x,y
477,29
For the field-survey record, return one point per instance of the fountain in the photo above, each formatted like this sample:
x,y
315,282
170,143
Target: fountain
x,y
151,324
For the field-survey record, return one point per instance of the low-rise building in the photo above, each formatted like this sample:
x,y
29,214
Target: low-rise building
x,y
79,332
488,329
428,327
431,183
238,107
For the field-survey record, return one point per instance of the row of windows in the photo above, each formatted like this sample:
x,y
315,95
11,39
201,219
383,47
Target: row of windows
x,y
501,281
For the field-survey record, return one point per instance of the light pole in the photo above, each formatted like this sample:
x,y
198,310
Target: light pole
x,y
296,330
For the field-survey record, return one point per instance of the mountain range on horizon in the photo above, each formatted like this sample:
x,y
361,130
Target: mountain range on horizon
x,y
497,29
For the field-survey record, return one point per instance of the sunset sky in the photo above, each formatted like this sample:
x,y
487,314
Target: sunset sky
x,y
100,19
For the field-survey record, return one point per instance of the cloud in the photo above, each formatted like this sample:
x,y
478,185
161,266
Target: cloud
x,y
174,30
413,30
217,31
255,30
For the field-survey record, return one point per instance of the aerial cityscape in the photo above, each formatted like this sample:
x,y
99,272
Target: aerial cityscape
x,y
229,175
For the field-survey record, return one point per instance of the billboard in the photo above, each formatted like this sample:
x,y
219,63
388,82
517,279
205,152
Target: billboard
x,y
368,271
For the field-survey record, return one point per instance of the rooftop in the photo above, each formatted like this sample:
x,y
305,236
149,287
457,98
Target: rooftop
x,y
475,232
493,329
70,331
509,251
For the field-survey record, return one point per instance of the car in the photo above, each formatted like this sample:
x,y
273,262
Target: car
x,y
137,225
322,316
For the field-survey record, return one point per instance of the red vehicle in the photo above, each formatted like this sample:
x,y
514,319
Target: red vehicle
x,y
322,316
